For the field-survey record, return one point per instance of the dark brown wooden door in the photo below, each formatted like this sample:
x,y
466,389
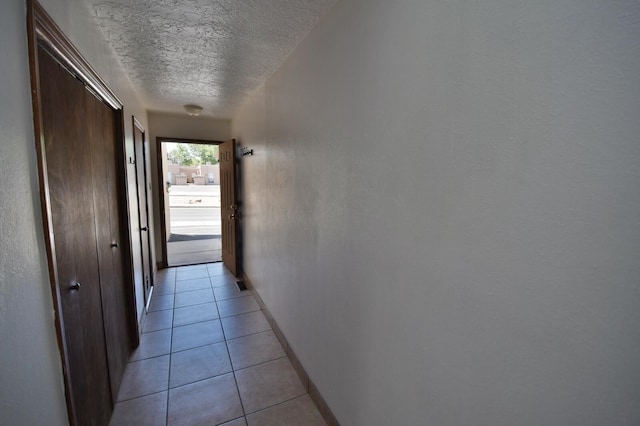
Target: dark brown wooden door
x,y
101,123
143,207
229,205
79,133
69,163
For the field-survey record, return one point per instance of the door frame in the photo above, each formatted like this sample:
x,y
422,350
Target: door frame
x,y
41,29
161,186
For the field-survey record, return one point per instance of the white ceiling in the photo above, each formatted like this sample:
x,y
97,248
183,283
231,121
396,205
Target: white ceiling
x,y
209,52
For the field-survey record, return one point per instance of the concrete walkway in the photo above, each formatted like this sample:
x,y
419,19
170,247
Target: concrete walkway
x,y
194,195
194,210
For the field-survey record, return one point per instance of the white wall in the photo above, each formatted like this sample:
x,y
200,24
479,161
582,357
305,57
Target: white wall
x,y
442,210
178,126
31,384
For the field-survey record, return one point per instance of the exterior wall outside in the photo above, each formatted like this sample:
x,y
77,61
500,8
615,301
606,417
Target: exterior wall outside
x,y
202,170
178,126
31,384
441,211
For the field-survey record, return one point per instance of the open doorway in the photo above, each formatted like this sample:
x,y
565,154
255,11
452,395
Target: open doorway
x,y
190,201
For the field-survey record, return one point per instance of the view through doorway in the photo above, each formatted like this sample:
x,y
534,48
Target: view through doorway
x,y
191,177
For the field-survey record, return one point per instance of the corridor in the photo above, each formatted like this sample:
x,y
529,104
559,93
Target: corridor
x,y
208,356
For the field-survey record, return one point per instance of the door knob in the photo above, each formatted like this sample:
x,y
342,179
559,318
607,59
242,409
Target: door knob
x,y
232,216
74,287
114,245
144,229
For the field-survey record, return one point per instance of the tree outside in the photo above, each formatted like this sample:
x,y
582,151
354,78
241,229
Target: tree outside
x,y
190,154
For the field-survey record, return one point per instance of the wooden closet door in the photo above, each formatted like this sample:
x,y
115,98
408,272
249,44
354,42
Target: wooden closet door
x,y
69,164
143,207
100,122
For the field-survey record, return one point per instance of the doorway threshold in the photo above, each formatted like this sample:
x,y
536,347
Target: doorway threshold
x,y
196,251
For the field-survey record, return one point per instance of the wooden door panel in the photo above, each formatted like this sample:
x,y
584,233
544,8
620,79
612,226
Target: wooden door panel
x,y
68,158
101,122
229,205
143,209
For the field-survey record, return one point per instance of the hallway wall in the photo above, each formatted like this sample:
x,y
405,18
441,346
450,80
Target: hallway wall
x,y
31,383
179,126
442,210
29,361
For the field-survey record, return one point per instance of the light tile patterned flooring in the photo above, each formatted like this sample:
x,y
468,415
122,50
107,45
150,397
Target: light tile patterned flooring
x,y
208,356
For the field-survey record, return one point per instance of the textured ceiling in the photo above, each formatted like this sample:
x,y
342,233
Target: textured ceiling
x,y
209,52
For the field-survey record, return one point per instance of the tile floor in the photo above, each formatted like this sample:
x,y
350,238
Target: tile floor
x,y
208,356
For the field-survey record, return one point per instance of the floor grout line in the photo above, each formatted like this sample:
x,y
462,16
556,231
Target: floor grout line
x,y
235,379
199,346
166,422
253,334
260,363
279,403
141,396
225,340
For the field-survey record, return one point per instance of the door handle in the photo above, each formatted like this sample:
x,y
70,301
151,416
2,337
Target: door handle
x,y
74,287
114,245
233,216
144,229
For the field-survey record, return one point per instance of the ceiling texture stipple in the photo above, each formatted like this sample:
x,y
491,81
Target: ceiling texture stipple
x,y
208,52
